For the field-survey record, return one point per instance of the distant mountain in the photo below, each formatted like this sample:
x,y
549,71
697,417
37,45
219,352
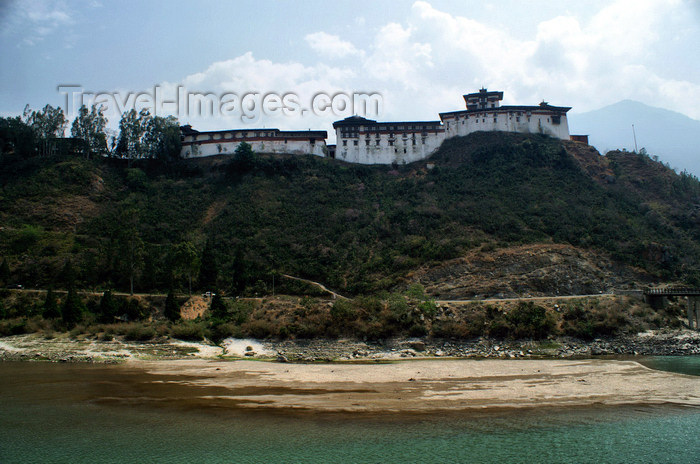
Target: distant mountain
x,y
674,137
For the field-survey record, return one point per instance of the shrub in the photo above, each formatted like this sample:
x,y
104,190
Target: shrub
x,y
240,311
191,331
140,333
16,326
343,310
530,321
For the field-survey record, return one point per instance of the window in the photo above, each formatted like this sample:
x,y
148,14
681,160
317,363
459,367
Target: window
x,y
495,119
391,143
377,142
345,143
354,142
367,142
517,119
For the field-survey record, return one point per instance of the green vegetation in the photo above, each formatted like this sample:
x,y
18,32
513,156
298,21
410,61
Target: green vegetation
x,y
357,229
140,221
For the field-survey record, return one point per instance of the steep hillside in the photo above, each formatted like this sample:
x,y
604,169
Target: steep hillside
x,y
357,229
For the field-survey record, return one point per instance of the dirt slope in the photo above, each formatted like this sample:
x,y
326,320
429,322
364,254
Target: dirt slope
x,y
527,270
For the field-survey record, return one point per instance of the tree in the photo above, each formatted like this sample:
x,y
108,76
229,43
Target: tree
x,y
47,123
218,308
244,156
73,308
89,126
208,271
172,309
186,261
161,139
132,127
16,137
4,273
50,309
109,308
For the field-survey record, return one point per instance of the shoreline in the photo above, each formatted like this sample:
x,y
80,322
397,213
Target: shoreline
x,y
63,348
427,386
383,379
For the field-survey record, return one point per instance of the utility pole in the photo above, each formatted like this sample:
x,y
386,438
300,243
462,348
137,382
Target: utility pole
x,y
635,138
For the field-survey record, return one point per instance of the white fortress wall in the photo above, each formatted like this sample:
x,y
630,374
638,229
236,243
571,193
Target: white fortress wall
x,y
222,143
524,122
383,149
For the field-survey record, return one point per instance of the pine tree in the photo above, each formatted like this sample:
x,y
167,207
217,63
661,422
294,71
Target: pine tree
x,y
172,310
50,309
218,308
73,308
108,307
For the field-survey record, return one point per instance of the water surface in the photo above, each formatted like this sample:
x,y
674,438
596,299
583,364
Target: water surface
x,y
89,414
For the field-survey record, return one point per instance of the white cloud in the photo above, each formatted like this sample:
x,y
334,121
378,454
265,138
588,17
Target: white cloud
x,y
330,45
32,21
423,65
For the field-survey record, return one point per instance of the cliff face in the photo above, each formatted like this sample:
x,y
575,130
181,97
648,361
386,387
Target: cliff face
x,y
488,214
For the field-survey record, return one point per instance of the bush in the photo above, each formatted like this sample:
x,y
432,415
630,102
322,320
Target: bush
x,y
140,333
240,311
16,326
529,320
343,310
191,331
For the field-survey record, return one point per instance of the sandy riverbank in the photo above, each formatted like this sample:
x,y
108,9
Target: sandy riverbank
x,y
428,385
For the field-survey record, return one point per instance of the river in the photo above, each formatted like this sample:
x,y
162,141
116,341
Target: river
x,y
52,413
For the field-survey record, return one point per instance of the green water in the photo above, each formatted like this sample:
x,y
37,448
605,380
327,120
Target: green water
x,y
81,414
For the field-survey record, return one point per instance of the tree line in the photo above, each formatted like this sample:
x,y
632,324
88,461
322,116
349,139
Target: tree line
x,y
42,132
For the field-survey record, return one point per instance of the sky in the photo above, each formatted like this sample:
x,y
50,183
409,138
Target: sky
x,y
416,58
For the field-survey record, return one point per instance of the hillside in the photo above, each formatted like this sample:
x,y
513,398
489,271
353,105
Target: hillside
x,y
356,229
672,136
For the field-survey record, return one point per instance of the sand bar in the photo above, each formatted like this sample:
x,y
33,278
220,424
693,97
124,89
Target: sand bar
x,y
429,385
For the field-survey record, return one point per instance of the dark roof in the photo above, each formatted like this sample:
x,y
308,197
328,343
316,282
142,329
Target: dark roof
x,y
360,121
277,132
484,93
354,121
505,109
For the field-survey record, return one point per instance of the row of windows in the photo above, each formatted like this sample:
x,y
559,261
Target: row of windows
x,y
377,142
353,131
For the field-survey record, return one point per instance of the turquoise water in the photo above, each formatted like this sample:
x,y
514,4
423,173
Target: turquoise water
x,y
689,365
81,414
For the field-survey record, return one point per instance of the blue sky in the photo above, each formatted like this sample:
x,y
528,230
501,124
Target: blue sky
x,y
421,56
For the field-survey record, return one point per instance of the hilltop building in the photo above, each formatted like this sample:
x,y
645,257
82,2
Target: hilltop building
x,y
366,141
484,113
197,144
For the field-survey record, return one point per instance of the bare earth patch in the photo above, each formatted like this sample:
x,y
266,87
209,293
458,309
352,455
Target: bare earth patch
x,y
421,386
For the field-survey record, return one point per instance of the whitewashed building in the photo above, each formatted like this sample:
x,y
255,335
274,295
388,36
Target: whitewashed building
x,y
199,144
365,141
484,113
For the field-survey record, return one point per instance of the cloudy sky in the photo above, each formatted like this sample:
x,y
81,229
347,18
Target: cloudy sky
x,y
420,56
